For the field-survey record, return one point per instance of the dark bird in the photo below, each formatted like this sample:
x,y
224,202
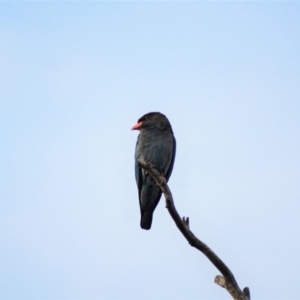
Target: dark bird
x,y
156,144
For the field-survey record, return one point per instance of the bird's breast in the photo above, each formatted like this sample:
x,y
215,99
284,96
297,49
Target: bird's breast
x,y
156,149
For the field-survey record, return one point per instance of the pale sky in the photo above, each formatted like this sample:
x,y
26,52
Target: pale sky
x,y
75,76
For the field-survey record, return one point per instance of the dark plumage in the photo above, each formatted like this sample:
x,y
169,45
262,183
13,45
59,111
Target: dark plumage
x,y
156,144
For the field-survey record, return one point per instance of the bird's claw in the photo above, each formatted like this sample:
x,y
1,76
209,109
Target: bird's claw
x,y
163,179
150,164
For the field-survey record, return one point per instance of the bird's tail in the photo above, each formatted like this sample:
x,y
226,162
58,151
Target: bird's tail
x,y
146,219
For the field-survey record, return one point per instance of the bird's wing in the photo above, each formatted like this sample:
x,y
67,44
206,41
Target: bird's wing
x,y
138,171
168,174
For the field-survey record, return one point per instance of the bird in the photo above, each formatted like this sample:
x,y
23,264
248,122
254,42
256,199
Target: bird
x,y
155,144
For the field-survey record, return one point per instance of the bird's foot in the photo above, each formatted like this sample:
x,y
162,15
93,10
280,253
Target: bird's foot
x,y
163,179
150,164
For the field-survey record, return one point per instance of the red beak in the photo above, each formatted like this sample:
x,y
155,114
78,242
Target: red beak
x,y
137,126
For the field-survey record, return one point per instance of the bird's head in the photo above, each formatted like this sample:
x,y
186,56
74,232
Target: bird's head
x,y
153,120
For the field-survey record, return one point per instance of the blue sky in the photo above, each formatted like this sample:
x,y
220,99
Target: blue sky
x,y
76,76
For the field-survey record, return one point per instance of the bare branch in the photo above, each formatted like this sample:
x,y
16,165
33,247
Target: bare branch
x,y
227,281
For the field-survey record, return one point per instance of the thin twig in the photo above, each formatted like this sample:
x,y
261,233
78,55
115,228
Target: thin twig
x,y
227,281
